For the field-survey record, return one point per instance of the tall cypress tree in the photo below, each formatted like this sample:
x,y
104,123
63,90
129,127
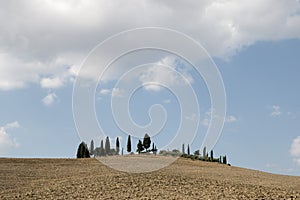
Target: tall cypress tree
x,y
129,144
107,146
117,146
204,152
188,150
102,150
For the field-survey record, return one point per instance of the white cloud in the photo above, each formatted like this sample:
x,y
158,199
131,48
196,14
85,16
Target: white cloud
x,y
167,101
295,147
275,111
117,92
104,91
230,119
211,114
297,161
14,124
51,83
156,75
6,141
295,150
192,117
56,34
49,99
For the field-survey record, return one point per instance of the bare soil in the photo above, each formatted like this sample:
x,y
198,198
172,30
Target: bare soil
x,y
184,179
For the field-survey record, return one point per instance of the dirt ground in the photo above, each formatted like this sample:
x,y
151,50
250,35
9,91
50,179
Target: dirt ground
x,y
184,179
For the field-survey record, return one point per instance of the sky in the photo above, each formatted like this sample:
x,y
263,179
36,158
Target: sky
x,y
46,48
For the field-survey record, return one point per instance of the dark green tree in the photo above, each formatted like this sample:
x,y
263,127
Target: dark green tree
x,y
211,155
224,160
197,153
188,150
147,142
83,151
102,150
140,147
128,144
154,149
107,146
92,147
117,146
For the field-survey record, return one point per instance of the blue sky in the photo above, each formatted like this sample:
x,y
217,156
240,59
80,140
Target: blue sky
x,y
256,49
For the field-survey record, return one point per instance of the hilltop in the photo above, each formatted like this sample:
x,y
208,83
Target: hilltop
x,y
184,179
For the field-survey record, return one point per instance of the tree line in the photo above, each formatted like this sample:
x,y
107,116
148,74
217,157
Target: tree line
x,y
144,146
105,149
186,153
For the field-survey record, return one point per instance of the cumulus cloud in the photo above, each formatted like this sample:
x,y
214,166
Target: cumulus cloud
x,y
51,83
49,99
275,111
156,75
56,34
6,141
295,150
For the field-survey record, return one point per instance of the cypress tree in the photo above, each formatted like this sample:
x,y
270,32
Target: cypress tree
x,y
102,150
224,160
188,150
183,150
107,146
147,142
82,151
92,147
129,144
117,146
204,152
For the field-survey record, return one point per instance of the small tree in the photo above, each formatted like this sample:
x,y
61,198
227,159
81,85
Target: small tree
x,y
128,144
154,149
92,147
117,146
107,146
140,147
183,150
211,155
188,150
82,151
197,153
147,142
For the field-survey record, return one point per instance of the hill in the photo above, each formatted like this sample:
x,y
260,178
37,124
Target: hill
x,y
184,179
